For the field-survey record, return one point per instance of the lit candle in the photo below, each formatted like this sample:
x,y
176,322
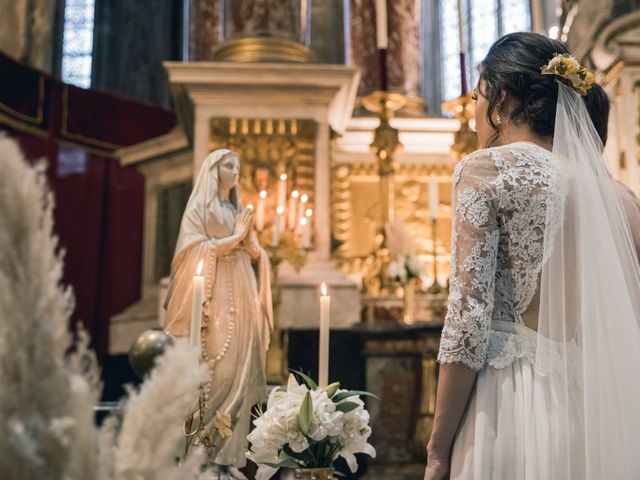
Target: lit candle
x,y
196,305
282,190
323,361
382,40
434,198
293,209
277,225
260,210
305,228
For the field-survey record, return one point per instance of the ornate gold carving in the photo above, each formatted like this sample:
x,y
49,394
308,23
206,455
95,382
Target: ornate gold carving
x,y
268,148
465,139
263,49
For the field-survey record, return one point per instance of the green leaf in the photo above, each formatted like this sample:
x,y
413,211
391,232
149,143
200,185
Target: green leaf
x,y
305,416
307,379
304,456
346,407
342,395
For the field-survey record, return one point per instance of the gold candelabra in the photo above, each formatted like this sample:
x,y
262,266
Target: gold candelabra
x,y
465,139
385,144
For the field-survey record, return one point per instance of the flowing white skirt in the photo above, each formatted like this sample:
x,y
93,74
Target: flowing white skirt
x,y
514,428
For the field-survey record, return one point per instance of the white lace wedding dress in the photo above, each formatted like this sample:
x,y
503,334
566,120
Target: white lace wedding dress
x,y
501,201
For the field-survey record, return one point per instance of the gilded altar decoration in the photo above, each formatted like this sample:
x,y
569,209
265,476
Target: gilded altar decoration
x,y
265,31
465,139
357,218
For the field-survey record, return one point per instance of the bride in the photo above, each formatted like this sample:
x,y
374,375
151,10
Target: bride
x,y
541,343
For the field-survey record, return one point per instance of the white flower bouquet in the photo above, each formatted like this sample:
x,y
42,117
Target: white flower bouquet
x,y
404,264
309,427
405,267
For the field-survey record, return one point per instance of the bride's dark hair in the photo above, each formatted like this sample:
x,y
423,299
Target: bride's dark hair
x,y
513,65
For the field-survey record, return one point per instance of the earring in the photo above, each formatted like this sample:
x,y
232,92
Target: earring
x,y
498,119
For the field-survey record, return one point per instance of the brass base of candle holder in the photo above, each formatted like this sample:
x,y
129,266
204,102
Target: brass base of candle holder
x,y
381,102
263,50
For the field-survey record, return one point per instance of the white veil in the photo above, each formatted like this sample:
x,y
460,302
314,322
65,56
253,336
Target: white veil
x,y
587,376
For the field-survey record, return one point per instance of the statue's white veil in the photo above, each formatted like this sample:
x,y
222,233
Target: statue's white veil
x,y
586,395
202,215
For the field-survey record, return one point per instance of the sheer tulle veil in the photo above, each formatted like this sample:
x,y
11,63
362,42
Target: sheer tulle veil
x,y
587,382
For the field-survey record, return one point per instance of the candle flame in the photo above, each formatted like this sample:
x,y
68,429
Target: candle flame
x,y
199,269
295,194
263,194
323,289
280,210
308,212
250,206
283,177
304,198
303,221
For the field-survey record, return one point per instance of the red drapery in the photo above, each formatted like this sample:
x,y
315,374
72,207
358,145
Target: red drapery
x,y
99,204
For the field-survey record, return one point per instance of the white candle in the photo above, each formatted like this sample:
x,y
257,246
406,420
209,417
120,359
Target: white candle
x,y
197,287
460,27
325,320
293,209
260,211
282,190
305,236
277,225
382,40
434,198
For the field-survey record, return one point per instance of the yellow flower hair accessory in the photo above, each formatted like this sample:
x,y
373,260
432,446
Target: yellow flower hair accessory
x,y
566,66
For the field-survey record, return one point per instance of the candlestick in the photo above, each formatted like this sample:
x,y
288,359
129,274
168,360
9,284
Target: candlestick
x,y
196,305
293,209
434,198
435,286
382,39
277,225
282,190
260,211
325,320
463,63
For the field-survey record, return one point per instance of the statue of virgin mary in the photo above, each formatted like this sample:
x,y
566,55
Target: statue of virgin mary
x,y
236,311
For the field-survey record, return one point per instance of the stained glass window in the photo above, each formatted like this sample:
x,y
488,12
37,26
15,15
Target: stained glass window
x,y
77,42
484,21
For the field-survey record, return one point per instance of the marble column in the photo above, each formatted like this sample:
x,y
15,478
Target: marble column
x,y
205,32
26,31
404,57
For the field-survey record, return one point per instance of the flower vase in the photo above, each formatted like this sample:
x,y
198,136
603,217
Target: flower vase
x,y
307,474
408,298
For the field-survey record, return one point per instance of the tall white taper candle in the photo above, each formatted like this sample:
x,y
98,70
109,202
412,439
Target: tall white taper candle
x,y
434,198
382,40
325,322
197,287
260,210
282,190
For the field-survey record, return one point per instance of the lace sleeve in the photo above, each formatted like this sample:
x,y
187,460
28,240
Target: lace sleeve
x,y
473,265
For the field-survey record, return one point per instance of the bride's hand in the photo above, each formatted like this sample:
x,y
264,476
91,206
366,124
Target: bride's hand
x,y
244,222
437,470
